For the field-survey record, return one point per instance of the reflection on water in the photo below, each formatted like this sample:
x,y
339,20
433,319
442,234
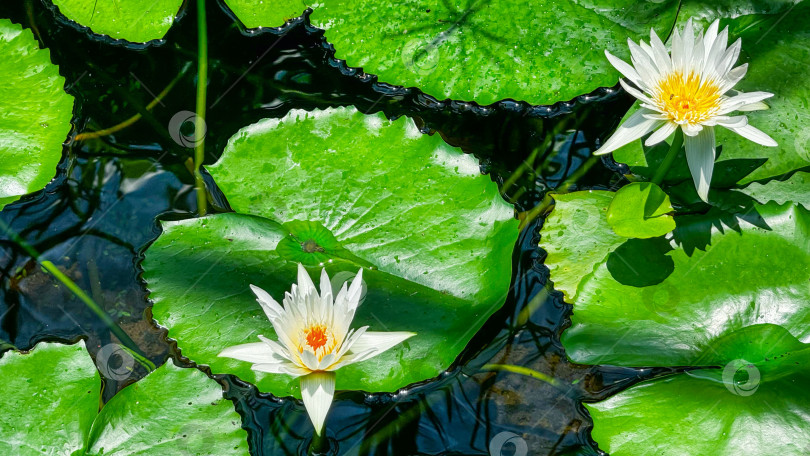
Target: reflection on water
x,y
94,220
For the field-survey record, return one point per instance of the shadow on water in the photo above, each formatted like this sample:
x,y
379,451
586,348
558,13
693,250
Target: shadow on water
x,y
100,213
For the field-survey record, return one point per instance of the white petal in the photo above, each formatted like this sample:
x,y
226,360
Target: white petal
x,y
758,106
270,306
305,285
635,92
741,99
687,44
718,49
733,77
352,358
355,291
632,129
662,58
280,368
256,352
677,50
318,390
326,288
643,63
691,129
381,341
710,36
729,58
309,359
754,134
700,154
276,347
661,134
625,69
732,122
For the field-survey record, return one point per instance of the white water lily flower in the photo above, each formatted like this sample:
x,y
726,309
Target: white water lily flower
x,y
690,89
314,339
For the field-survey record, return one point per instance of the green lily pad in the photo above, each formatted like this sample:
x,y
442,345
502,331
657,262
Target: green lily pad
x,y
344,190
795,189
398,199
756,401
50,399
480,51
130,20
640,210
271,14
35,114
743,278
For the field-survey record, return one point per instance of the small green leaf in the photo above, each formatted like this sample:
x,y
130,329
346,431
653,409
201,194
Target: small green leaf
x,y
640,210
129,20
35,114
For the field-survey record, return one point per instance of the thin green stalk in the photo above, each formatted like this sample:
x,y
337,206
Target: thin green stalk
x,y
199,127
523,371
122,336
661,172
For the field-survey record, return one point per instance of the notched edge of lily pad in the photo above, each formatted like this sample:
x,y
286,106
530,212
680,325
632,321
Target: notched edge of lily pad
x,y
62,19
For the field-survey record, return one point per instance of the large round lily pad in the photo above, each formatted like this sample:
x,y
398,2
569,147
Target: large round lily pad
x,y
35,114
746,277
50,400
344,190
477,50
130,20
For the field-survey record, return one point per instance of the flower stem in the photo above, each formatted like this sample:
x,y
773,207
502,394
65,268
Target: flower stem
x,y
122,336
674,149
319,445
199,127
523,371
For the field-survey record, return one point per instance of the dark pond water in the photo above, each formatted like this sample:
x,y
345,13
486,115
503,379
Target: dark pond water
x,y
100,213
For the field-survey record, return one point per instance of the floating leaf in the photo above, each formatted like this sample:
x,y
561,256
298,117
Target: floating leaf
x,y
345,190
743,278
795,189
480,51
51,398
755,401
640,210
35,116
129,20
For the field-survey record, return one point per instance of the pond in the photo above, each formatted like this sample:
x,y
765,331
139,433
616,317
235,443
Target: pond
x,y
549,297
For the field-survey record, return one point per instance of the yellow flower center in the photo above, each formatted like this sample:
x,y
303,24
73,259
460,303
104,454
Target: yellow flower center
x,y
316,336
687,99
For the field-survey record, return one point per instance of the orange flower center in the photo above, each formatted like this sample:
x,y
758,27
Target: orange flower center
x,y
687,99
316,336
